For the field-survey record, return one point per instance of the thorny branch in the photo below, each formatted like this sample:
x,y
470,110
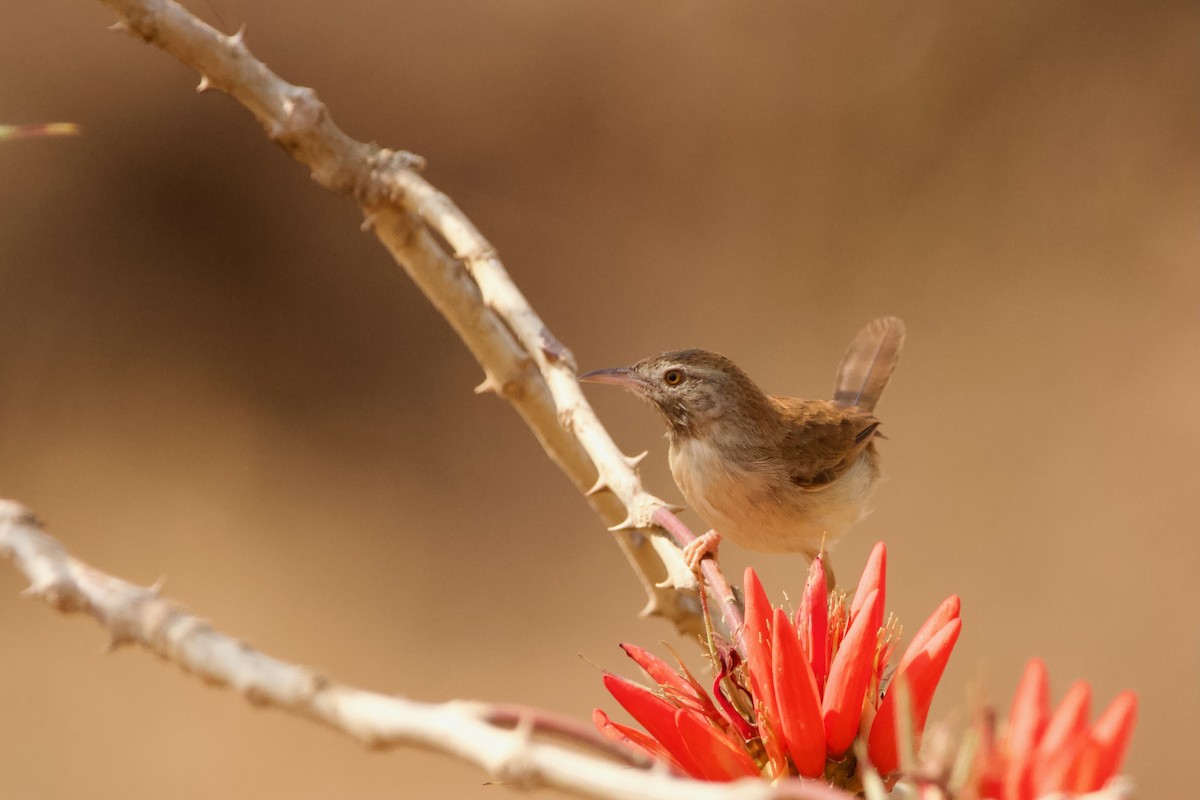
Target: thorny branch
x,y
524,747
518,746
522,360
524,363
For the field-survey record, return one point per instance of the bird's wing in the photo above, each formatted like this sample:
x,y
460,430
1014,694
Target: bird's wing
x,y
823,441
868,364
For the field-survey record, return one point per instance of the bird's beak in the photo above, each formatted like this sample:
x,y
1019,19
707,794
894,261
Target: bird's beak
x,y
624,377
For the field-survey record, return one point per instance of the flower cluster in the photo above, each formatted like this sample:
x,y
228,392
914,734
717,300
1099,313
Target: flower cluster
x,y
809,686
1044,753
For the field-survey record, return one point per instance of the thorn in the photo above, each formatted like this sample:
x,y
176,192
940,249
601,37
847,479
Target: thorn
x,y
121,633
524,729
120,26
238,39
374,742
633,461
660,769
204,85
554,350
488,385
627,524
256,696
156,587
411,161
653,608
58,594
599,486
368,223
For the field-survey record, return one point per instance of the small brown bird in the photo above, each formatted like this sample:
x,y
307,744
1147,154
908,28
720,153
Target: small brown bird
x,y
776,474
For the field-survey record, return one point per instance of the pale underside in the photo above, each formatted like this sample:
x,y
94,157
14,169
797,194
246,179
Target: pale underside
x,y
760,508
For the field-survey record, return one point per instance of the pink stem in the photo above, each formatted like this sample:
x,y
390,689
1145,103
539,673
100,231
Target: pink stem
x,y
731,609
563,728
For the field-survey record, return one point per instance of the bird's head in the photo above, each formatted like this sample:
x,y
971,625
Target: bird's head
x,y
692,389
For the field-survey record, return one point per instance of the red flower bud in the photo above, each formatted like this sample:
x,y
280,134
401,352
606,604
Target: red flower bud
x,y
799,711
849,676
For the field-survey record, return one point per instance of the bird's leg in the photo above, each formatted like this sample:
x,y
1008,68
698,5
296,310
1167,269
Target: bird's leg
x,y
700,548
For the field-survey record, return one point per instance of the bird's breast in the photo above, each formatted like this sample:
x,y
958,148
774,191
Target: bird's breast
x,y
755,504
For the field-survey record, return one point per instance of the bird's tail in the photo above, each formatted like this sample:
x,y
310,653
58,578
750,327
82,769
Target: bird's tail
x,y
868,364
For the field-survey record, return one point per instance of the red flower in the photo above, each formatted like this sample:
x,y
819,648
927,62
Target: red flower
x,y
809,687
1045,753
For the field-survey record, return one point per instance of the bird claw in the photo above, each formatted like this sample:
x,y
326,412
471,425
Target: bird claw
x,y
700,548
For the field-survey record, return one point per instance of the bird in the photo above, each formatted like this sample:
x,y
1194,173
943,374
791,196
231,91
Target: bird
x,y
771,474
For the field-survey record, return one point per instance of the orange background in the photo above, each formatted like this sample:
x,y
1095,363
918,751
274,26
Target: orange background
x,y
208,374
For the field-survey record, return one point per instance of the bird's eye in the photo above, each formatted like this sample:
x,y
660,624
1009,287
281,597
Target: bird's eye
x,y
673,377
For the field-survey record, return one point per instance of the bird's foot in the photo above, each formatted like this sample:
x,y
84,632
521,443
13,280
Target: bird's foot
x,y
700,548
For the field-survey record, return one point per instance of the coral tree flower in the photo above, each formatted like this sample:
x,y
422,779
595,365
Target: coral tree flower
x,y
1043,752
809,687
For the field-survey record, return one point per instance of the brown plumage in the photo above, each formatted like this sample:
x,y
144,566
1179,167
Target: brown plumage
x,y
777,474
868,364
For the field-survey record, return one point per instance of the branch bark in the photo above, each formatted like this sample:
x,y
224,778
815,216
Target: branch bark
x,y
522,360
517,746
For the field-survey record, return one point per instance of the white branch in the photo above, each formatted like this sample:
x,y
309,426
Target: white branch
x,y
524,363
481,734
522,360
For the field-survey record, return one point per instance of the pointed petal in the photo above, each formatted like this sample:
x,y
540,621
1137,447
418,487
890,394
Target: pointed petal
x,y
674,685
756,638
1030,710
654,714
1068,721
950,609
1086,767
812,621
659,671
874,576
921,676
757,641
1064,740
923,683
1111,734
799,706
717,756
848,679
1018,777
616,732
1052,771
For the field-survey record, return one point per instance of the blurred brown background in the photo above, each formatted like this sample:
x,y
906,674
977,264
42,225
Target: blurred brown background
x,y
208,374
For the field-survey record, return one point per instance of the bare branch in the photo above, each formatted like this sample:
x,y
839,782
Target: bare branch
x,y
522,360
510,743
